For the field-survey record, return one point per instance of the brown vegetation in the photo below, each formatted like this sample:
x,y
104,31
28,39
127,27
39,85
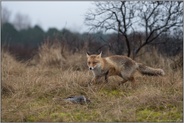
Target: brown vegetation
x,y
28,90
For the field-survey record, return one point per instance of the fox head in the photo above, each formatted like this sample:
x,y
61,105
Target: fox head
x,y
93,61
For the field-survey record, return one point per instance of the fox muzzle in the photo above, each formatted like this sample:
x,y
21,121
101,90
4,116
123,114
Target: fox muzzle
x,y
91,68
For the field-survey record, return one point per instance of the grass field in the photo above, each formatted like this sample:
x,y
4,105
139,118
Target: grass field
x,y
28,89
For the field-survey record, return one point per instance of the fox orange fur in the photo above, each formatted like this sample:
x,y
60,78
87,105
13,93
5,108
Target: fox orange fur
x,y
121,66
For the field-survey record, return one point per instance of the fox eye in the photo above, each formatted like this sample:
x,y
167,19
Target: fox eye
x,y
89,62
94,62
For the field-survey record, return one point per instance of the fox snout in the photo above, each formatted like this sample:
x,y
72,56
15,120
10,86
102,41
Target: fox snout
x,y
91,68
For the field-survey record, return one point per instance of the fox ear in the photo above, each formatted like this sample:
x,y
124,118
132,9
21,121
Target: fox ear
x,y
100,55
87,54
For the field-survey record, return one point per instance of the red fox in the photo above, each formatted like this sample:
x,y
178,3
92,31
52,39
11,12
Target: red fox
x,y
121,66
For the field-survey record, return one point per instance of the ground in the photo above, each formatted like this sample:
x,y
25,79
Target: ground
x,y
28,90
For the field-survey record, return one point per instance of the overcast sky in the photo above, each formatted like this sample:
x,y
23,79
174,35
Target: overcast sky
x,y
58,14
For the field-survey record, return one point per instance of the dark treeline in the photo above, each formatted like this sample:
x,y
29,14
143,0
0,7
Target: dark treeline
x,y
25,43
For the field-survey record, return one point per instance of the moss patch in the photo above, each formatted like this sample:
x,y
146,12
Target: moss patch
x,y
170,115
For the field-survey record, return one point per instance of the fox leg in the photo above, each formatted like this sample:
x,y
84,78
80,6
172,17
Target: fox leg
x,y
106,79
125,78
95,79
129,79
92,81
106,76
122,82
128,76
133,82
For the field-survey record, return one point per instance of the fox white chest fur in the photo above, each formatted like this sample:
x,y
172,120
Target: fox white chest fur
x,y
97,71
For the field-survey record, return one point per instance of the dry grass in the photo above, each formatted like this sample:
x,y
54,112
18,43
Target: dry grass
x,y
30,91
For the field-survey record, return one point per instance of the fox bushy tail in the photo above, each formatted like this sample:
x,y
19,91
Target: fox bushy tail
x,y
145,70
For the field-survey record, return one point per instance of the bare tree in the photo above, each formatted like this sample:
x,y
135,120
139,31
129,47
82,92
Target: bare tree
x,y
153,17
21,21
158,17
5,15
113,16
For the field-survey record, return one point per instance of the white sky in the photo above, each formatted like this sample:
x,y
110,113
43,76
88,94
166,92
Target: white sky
x,y
48,14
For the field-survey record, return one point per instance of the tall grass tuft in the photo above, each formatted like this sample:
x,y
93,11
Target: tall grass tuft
x,y
50,54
